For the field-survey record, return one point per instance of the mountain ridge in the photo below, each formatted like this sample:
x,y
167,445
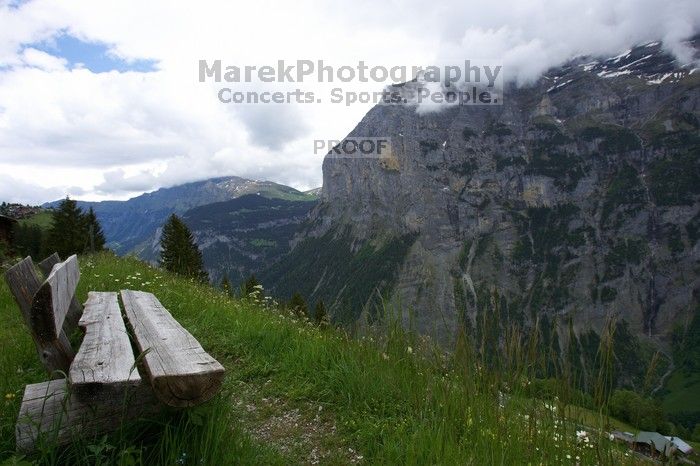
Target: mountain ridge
x,y
130,225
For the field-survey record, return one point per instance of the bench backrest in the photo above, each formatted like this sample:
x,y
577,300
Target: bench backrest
x,y
53,298
76,309
47,264
45,306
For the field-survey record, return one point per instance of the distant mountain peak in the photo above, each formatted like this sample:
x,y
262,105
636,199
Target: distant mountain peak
x,y
648,62
314,191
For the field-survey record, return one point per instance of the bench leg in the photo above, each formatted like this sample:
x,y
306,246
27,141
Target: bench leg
x,y
51,414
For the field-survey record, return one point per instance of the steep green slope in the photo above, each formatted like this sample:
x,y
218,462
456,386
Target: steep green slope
x,y
681,394
349,278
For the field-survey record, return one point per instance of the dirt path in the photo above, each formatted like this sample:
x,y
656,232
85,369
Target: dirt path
x,y
300,430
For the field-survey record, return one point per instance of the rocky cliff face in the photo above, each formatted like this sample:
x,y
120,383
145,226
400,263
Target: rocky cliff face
x,y
578,198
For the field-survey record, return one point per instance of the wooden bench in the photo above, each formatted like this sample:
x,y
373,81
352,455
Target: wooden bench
x,y
96,389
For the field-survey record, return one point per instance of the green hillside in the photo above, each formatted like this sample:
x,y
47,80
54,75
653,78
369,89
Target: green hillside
x,y
681,394
243,236
299,394
41,219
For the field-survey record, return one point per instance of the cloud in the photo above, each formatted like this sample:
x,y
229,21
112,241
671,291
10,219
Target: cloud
x,y
116,181
14,190
42,60
273,126
113,131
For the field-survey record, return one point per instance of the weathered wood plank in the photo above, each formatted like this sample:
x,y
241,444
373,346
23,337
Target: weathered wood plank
x,y
47,264
52,301
56,353
105,360
182,374
51,413
70,324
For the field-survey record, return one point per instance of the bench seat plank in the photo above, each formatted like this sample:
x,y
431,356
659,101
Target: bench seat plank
x,y
182,374
105,359
50,413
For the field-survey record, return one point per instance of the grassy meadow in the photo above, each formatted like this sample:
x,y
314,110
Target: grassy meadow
x,y
42,219
296,393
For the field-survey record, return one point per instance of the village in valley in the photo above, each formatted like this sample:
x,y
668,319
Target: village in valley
x,y
653,445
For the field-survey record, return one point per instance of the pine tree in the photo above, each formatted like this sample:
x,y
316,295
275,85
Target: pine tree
x,y
95,235
226,285
67,234
28,240
251,285
298,305
549,350
574,357
320,314
179,252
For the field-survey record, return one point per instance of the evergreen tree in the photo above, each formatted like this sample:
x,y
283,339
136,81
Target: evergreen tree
x,y
226,285
28,240
298,305
250,286
590,347
574,358
628,366
548,347
555,359
179,252
320,314
489,330
93,229
67,235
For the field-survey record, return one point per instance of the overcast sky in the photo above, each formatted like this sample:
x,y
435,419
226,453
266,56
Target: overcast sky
x,y
102,100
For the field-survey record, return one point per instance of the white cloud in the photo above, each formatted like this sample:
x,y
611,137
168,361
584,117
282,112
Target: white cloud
x,y
42,60
115,134
14,190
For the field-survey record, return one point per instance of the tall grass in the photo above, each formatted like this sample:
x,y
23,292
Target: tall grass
x,y
394,397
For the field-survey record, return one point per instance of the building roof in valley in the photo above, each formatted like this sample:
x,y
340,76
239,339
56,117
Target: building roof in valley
x,y
681,445
623,436
660,443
